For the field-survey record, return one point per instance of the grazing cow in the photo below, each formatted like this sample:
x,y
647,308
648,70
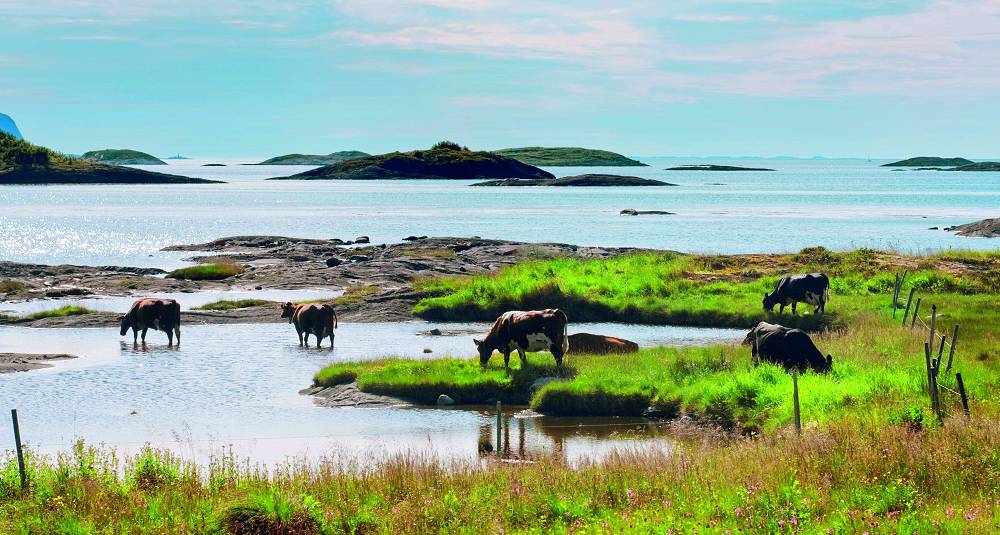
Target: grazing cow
x,y
812,288
535,330
152,313
596,344
792,348
319,320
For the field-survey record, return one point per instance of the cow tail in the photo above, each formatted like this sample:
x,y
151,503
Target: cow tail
x,y
336,321
565,330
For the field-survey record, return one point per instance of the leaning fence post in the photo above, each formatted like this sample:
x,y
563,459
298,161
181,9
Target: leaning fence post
x,y
499,429
940,360
795,402
933,324
916,312
19,449
951,352
895,296
935,399
906,312
961,393
927,362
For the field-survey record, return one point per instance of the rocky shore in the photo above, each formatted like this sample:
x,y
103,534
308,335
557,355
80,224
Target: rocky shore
x,y
378,279
23,362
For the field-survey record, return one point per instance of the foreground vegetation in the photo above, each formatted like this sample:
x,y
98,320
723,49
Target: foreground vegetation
x,y
206,272
848,477
234,304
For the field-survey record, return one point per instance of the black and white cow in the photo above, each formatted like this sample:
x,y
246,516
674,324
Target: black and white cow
x,y
535,330
791,348
812,288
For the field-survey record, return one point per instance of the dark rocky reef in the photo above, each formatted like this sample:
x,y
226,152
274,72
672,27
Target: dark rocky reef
x,y
987,228
710,167
579,181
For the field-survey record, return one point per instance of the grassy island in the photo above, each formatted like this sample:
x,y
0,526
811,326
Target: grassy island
x,y
568,157
929,161
314,159
122,157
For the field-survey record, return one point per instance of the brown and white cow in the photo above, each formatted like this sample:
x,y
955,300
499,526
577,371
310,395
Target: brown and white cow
x,y
152,313
318,320
535,330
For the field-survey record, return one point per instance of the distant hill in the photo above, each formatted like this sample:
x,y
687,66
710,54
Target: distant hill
x,y
929,161
8,126
579,181
568,157
445,160
24,163
122,157
709,167
978,166
314,159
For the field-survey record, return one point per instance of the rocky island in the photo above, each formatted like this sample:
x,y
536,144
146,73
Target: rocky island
x,y
444,161
568,157
978,166
314,159
987,228
121,157
22,162
929,161
579,180
709,167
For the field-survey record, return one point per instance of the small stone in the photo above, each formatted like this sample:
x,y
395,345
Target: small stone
x,y
444,400
428,350
362,239
357,258
435,332
258,287
333,261
932,228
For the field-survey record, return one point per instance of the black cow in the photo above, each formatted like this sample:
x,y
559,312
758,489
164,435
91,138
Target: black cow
x,y
791,348
812,288
535,330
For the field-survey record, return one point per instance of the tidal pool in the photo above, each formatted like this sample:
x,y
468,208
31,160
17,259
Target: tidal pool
x,y
235,388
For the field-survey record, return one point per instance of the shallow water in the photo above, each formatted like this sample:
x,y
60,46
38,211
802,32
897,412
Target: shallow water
x,y
187,300
237,385
836,203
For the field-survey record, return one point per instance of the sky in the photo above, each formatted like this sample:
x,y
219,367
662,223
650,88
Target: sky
x,y
645,78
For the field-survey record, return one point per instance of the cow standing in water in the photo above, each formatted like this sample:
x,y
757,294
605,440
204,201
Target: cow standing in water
x,y
812,288
791,348
535,330
319,320
152,313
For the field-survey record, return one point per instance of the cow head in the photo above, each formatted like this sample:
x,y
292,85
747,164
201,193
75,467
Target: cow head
x,y
288,311
125,325
769,302
485,351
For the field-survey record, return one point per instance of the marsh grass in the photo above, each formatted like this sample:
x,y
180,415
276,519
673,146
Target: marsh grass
x,y
12,286
845,477
68,310
355,294
206,272
233,304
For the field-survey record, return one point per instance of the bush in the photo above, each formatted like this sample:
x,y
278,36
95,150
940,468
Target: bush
x,y
206,272
152,470
449,145
273,512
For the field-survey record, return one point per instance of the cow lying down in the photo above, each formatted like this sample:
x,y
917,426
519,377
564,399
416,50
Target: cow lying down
x,y
151,313
791,348
318,320
535,330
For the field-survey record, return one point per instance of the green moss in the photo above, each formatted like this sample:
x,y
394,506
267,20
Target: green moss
x,y
206,272
233,304
69,310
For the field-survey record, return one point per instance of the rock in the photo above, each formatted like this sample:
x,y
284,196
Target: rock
x,y
597,344
932,228
928,161
631,211
65,292
258,287
435,332
362,239
444,400
428,350
357,258
987,228
333,261
414,238
590,180
298,258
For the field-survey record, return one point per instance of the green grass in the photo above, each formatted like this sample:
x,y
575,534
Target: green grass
x,y
567,156
206,272
233,304
840,478
68,310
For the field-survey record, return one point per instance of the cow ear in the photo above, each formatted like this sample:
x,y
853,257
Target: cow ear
x,y
829,360
477,342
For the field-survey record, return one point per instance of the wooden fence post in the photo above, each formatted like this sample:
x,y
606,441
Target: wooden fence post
x,y
499,429
927,362
795,402
935,397
951,352
906,312
19,450
961,393
940,360
895,296
916,312
933,324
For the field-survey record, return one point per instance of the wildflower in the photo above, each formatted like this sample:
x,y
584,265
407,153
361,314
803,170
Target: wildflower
x,y
781,523
971,515
950,512
793,521
630,493
666,503
738,511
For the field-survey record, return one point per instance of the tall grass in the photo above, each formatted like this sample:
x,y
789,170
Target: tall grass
x,y
206,272
233,304
68,310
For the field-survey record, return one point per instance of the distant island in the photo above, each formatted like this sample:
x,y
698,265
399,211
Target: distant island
x,y
445,160
708,167
929,161
213,165
978,166
578,180
22,162
568,157
121,157
8,126
314,159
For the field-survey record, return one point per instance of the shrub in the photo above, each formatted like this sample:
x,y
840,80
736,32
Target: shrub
x,y
226,304
273,512
206,272
449,145
153,469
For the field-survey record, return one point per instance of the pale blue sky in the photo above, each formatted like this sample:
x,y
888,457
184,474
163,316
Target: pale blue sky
x,y
686,77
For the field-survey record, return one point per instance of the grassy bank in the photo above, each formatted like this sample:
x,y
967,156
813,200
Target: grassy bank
x,y
841,478
721,291
206,272
68,310
233,304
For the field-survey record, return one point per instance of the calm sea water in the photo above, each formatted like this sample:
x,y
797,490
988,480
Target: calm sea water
x,y
836,203
236,387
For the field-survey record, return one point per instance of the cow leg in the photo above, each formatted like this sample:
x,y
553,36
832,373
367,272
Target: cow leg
x,y
135,336
524,360
506,358
793,307
144,336
177,332
170,338
557,352
297,330
781,309
307,338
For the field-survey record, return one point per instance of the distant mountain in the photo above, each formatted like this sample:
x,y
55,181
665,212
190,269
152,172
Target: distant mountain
x,y
568,157
594,180
445,160
122,157
24,163
929,161
314,159
7,125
